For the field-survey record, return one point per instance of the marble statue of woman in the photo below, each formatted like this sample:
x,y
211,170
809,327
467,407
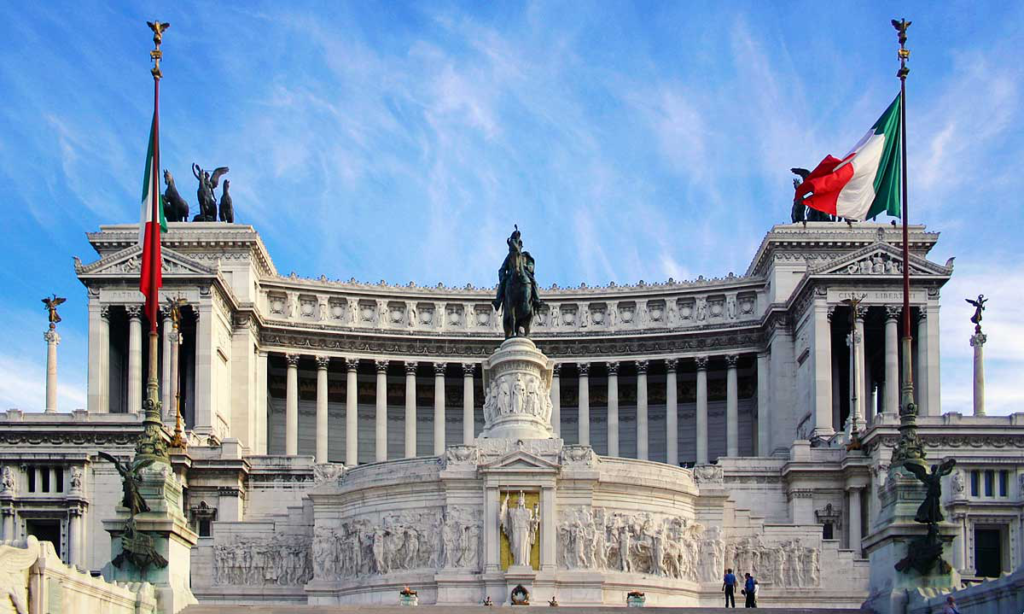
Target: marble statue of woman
x,y
520,525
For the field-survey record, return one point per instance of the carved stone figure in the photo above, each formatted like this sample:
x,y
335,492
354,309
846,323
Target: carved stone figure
x,y
520,525
14,567
517,295
175,207
7,483
283,560
77,479
702,309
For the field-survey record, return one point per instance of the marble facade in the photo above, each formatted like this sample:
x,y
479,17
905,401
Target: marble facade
x,y
339,446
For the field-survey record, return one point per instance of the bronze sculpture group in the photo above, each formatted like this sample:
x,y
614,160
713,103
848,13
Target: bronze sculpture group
x,y
136,547
176,207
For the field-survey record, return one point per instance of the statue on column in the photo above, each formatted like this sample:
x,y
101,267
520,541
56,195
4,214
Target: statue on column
x,y
520,525
979,306
517,295
51,308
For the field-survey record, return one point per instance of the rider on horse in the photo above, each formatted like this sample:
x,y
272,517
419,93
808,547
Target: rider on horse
x,y
517,260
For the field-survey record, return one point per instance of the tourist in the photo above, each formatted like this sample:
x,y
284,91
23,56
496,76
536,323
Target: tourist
x,y
950,606
729,586
750,591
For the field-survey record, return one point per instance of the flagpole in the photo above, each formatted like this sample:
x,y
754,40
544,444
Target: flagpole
x,y
909,447
152,444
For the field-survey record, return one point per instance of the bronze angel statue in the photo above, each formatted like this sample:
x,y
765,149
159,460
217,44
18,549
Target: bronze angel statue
x,y
930,510
130,480
207,184
979,306
51,306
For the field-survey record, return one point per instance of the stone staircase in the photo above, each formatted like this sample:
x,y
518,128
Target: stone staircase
x,y
472,609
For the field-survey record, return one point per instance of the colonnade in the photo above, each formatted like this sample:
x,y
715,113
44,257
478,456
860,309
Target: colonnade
x,y
469,373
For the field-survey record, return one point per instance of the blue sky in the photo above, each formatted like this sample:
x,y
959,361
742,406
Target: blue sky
x,y
635,140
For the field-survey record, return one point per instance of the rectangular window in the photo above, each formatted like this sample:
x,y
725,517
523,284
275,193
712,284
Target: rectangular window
x,y
990,483
59,476
44,473
975,486
31,471
1004,482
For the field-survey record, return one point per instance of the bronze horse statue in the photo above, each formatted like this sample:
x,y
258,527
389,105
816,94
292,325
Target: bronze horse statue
x,y
517,289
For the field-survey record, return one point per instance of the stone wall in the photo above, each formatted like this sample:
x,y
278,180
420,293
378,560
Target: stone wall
x,y
998,596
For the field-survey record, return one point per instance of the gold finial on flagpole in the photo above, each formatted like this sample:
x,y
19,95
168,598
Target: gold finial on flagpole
x,y
158,37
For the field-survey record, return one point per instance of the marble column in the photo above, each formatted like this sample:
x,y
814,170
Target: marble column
x,y
291,406
702,410
856,342
855,520
978,343
671,413
891,405
642,441
134,358
381,416
468,425
174,344
261,397
75,540
732,416
922,371
410,409
492,540
99,357
584,403
165,369
548,517
763,431
351,412
821,354
439,420
613,409
8,525
556,399
52,339
322,362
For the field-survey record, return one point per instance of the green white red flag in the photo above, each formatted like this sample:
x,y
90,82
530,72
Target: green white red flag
x,y
151,225
866,182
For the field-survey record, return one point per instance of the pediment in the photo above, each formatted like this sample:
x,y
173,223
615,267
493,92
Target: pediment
x,y
880,259
520,461
129,262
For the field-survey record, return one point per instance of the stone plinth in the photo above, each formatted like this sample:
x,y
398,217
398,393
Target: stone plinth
x,y
517,389
173,540
889,542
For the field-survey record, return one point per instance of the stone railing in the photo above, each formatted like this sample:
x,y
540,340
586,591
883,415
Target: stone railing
x,y
724,303
1003,595
33,579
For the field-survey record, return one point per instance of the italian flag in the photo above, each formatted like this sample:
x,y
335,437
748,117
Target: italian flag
x,y
867,181
151,224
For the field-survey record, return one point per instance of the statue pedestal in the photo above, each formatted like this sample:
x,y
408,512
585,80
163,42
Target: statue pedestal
x,y
171,538
889,542
517,389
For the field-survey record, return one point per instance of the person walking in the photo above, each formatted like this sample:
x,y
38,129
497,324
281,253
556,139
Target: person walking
x,y
750,591
729,586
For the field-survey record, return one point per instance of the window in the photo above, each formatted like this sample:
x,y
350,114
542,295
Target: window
x,y
988,552
1004,480
31,479
975,487
990,483
827,531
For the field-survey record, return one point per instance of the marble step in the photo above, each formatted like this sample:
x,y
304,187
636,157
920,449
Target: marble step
x,y
471,609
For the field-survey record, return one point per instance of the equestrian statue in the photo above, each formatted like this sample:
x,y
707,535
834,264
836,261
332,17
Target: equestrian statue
x,y
517,296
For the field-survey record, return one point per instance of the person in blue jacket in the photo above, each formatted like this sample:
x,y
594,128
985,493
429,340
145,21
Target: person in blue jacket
x,y
729,586
750,590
